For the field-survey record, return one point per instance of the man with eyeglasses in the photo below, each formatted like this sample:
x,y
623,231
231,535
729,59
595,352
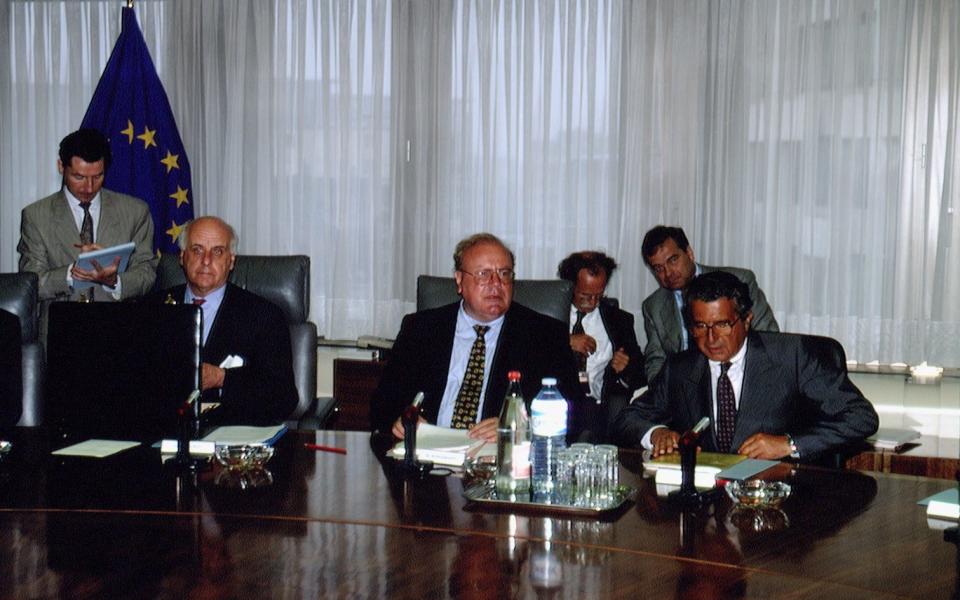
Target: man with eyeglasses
x,y
602,337
247,364
459,355
670,258
768,395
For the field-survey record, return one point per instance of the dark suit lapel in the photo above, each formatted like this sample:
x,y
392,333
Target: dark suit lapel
x,y
442,331
221,324
699,385
758,370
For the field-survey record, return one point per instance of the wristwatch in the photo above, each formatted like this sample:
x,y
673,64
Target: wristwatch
x,y
794,451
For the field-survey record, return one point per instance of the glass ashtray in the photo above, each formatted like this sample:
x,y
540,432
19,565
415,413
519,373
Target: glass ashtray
x,y
758,493
252,456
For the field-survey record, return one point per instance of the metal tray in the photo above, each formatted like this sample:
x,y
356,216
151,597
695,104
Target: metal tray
x,y
484,495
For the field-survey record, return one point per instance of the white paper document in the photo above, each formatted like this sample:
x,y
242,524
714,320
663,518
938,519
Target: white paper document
x,y
96,448
445,446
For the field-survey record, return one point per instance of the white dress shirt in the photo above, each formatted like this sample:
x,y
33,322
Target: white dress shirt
x,y
598,360
77,212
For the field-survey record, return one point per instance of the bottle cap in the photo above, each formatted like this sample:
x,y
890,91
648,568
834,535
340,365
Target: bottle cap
x,y
548,381
513,376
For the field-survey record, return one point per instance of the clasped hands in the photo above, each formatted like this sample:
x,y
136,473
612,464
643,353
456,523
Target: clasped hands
x,y
758,445
485,430
103,275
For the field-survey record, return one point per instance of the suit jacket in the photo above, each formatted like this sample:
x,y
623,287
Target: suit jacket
x,y
619,327
534,344
11,370
48,234
792,384
262,391
661,319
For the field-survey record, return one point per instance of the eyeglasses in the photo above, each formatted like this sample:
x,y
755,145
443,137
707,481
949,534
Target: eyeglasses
x,y
485,276
699,329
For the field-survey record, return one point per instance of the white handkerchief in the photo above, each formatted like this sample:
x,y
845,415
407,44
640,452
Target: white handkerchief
x,y
231,362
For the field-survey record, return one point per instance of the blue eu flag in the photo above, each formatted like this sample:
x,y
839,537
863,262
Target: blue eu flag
x,y
132,110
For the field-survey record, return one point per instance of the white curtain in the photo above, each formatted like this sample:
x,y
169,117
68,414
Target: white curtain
x,y
814,142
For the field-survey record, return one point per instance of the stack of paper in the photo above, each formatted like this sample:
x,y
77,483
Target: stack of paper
x,y
668,471
231,435
444,446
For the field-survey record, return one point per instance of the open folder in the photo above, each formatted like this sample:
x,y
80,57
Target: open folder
x,y
445,446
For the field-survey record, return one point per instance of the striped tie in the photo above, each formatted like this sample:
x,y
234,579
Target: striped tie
x,y
726,410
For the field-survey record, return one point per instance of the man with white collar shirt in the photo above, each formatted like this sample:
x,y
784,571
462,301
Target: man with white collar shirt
x,y
602,338
246,356
84,216
459,354
670,258
768,395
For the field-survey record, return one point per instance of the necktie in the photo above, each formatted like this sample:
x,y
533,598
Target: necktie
x,y
581,358
86,228
726,410
199,301
468,398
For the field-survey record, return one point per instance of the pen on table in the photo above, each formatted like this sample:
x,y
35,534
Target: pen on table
x,y
320,448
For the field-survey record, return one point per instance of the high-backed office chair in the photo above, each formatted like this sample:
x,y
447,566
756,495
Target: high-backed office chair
x,y
285,281
550,297
19,296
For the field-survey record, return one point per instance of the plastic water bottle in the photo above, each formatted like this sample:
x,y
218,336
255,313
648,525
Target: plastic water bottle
x,y
513,442
548,424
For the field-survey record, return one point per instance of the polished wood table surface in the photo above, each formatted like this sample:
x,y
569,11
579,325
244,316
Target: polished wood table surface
x,y
350,526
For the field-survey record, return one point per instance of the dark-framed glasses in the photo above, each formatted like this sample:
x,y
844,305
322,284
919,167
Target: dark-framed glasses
x,y
486,275
700,329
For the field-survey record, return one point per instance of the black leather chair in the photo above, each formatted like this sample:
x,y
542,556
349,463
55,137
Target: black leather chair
x,y
550,297
285,281
19,295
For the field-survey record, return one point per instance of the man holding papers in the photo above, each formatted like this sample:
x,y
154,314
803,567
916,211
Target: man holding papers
x,y
246,356
82,217
458,355
769,395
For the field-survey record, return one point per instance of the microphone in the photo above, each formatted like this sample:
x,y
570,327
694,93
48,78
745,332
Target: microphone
x,y
410,418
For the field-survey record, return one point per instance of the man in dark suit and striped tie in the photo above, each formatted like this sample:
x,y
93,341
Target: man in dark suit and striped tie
x,y
769,395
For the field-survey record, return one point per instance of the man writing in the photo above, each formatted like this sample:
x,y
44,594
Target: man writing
x,y
84,216
768,395
670,258
602,338
459,354
246,354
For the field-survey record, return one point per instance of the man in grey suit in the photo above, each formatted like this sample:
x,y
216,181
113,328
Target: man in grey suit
x,y
84,216
768,395
670,258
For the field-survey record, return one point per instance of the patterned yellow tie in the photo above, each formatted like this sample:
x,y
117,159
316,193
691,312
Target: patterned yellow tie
x,y
468,398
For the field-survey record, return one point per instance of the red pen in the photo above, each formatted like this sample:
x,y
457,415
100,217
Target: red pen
x,y
320,448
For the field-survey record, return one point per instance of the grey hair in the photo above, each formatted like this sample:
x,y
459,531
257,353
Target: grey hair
x,y
474,240
185,233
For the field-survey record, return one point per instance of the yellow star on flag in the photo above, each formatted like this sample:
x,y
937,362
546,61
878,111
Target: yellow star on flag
x,y
147,137
174,232
171,161
180,196
128,131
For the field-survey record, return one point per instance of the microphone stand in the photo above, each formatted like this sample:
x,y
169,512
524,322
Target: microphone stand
x,y
410,419
688,496
186,429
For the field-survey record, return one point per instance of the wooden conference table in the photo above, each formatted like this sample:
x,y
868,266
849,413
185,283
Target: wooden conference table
x,y
351,526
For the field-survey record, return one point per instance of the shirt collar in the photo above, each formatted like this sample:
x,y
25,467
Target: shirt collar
x,y
73,202
214,296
